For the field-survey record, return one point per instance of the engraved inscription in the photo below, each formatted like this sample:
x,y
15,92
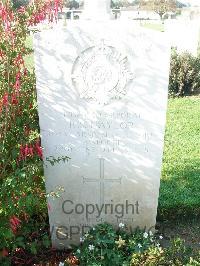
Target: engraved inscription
x,y
101,134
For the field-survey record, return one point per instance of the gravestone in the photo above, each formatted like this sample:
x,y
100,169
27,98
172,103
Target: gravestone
x,y
184,34
102,89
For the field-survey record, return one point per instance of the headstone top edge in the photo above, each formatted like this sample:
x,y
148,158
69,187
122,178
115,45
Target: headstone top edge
x,y
96,10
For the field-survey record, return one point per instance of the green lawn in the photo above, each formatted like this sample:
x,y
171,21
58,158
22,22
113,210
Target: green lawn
x,y
29,59
180,184
153,26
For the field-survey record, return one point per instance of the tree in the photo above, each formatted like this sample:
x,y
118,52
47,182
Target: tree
x,y
123,3
71,4
161,7
19,3
116,4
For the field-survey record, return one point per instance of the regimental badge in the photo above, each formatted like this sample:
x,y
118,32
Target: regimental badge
x,y
101,73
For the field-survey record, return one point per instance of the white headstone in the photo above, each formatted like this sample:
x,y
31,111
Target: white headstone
x,y
102,95
184,34
96,9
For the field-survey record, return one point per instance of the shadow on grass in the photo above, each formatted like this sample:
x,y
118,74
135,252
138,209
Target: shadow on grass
x,y
180,191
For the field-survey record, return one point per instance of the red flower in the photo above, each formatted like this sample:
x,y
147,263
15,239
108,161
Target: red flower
x,y
26,150
14,99
39,150
25,72
19,61
18,75
1,54
21,10
31,152
5,99
17,85
5,252
14,224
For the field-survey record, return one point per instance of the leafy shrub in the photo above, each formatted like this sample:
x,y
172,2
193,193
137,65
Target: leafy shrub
x,y
184,74
22,193
177,254
19,3
105,246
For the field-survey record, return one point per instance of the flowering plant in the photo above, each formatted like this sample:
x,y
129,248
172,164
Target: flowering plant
x,y
22,193
105,245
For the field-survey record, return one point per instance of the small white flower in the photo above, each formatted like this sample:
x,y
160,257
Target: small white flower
x,y
151,239
145,235
93,228
161,237
150,233
121,225
61,264
82,239
139,245
91,247
158,245
78,251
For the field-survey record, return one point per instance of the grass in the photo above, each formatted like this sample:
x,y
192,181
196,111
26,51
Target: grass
x,y
29,59
180,182
153,26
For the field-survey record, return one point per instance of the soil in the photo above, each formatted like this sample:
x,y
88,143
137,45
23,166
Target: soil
x,y
188,230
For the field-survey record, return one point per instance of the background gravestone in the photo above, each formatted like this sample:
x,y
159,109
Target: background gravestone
x,y
184,34
102,94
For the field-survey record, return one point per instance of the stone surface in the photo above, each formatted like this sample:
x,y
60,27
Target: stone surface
x,y
102,95
184,34
96,9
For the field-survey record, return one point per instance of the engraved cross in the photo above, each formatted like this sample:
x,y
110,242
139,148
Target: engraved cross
x,y
102,180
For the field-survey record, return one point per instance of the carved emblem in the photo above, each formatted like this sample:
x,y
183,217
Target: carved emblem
x,y
101,73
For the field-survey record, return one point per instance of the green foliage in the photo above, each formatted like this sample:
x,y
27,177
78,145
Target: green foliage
x,y
123,3
52,160
184,74
19,3
154,26
71,4
32,237
22,193
21,180
161,7
180,186
105,246
177,254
